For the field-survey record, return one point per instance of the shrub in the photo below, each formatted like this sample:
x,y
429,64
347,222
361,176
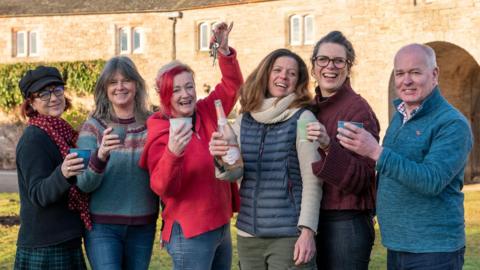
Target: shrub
x,y
76,116
80,76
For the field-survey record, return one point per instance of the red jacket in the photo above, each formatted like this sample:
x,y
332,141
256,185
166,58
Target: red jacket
x,y
349,179
186,184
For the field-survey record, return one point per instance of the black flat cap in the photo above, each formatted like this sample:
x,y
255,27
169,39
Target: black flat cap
x,y
35,80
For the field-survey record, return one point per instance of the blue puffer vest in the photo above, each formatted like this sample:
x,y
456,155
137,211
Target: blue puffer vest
x,y
271,189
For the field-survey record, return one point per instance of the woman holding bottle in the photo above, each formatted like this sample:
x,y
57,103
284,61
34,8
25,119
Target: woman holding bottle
x,y
345,233
196,206
279,194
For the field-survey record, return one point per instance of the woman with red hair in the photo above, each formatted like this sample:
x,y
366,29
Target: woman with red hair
x,y
196,206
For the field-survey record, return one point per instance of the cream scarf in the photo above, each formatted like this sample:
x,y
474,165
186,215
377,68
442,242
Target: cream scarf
x,y
270,112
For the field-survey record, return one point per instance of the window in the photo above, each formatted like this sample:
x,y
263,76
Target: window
x,y
302,30
295,34
130,40
124,40
32,44
309,33
204,36
25,43
21,43
137,40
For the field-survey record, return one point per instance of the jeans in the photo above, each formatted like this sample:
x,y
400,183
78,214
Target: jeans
x,y
209,250
345,244
115,247
397,260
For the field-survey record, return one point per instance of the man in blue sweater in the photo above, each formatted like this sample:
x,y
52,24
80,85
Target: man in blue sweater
x,y
420,168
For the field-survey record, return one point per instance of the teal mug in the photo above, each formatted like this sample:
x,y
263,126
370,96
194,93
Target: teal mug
x,y
82,153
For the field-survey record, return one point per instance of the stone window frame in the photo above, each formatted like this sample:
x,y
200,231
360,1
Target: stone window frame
x,y
299,34
31,43
295,30
204,33
203,36
308,32
140,47
126,40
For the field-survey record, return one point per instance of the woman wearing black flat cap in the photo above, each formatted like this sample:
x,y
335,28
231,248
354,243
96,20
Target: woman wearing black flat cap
x,y
50,234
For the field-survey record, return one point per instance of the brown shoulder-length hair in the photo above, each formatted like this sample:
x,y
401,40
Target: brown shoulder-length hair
x,y
255,88
26,109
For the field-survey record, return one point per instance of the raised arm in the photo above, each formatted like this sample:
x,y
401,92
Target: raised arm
x,y
232,79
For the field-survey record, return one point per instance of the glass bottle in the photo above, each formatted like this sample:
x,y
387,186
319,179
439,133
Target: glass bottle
x,y
233,157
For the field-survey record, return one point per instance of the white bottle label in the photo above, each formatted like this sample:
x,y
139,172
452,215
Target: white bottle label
x,y
233,154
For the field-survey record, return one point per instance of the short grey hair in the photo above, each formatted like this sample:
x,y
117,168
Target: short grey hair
x,y
103,107
170,65
427,50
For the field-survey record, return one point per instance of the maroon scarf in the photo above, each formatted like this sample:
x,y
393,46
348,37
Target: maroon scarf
x,y
65,137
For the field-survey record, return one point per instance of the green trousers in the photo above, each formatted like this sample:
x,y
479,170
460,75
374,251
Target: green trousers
x,y
269,254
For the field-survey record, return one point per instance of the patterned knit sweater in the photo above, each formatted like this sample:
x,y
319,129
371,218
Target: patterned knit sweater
x,y
119,190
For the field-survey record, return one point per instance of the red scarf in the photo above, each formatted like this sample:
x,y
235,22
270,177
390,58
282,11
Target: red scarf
x,y
65,137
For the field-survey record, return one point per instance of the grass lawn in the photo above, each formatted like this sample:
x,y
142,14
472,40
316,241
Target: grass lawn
x,y
9,205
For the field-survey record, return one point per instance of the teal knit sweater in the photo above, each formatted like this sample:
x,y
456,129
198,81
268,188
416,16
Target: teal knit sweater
x,y
119,190
421,170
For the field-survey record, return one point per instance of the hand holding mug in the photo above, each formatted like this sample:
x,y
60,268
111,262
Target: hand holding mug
x,y
72,165
109,142
360,141
179,138
317,132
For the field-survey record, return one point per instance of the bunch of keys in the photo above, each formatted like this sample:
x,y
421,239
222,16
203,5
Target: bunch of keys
x,y
214,49
215,42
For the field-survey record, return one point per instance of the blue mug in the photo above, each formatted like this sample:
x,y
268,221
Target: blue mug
x,y
82,153
341,124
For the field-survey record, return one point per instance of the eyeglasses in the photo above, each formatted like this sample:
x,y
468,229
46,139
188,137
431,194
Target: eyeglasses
x,y
46,94
323,61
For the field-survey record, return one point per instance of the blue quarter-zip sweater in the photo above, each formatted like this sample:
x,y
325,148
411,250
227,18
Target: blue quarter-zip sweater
x,y
421,170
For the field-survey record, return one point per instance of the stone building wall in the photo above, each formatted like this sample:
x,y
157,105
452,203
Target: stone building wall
x,y
376,28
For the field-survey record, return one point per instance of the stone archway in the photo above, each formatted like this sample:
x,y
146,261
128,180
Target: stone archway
x,y
460,84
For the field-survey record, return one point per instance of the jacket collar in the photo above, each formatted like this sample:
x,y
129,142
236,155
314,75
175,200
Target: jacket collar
x,y
428,104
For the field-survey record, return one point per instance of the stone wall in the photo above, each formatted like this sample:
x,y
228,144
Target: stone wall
x,y
9,135
376,28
